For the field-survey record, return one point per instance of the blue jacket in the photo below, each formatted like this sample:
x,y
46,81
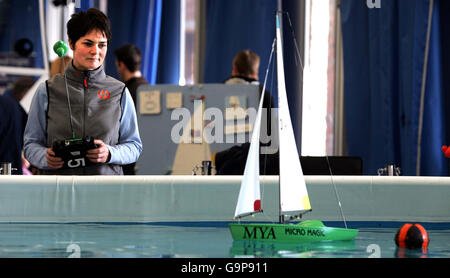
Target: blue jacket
x,y
12,123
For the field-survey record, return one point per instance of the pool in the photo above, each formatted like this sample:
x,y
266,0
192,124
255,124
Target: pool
x,y
87,240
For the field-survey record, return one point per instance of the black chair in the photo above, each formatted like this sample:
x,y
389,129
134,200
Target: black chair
x,y
232,162
340,165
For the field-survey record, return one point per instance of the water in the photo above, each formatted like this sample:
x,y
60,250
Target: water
x,y
157,241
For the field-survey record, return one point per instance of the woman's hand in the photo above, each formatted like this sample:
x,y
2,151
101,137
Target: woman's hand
x,y
53,161
100,154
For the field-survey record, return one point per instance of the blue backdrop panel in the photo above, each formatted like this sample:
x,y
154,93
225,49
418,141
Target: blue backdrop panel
x,y
169,48
84,5
137,22
433,162
444,24
235,25
384,52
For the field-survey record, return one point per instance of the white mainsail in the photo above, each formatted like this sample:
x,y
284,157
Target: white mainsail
x,y
293,192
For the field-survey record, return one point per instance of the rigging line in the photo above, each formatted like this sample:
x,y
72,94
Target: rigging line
x,y
423,89
269,113
295,44
262,97
328,162
268,67
336,192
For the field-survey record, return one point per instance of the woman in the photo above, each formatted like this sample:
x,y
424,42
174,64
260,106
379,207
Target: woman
x,y
101,107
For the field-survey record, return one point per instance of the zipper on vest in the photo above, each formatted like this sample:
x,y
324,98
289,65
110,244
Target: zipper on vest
x,y
85,83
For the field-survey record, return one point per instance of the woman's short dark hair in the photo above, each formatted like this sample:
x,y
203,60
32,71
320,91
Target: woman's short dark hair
x,y
130,55
83,22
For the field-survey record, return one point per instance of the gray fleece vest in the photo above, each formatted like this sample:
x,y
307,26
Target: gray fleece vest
x,y
95,100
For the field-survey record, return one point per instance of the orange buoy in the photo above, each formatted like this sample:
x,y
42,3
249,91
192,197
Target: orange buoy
x,y
412,236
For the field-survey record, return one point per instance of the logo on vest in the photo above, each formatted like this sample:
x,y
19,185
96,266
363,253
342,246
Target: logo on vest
x,y
103,94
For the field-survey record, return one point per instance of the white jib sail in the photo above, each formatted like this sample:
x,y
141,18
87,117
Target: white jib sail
x,y
293,192
249,200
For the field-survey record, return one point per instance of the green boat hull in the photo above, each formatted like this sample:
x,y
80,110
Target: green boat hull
x,y
305,231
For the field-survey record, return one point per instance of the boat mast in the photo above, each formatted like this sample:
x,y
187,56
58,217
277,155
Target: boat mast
x,y
280,213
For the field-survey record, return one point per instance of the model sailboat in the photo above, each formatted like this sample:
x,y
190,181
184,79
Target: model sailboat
x,y
294,199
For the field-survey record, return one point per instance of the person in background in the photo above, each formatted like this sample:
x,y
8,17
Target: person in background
x,y
12,122
11,132
245,70
128,64
101,106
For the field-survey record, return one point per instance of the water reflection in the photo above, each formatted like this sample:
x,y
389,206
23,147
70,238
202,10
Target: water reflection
x,y
411,253
245,248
